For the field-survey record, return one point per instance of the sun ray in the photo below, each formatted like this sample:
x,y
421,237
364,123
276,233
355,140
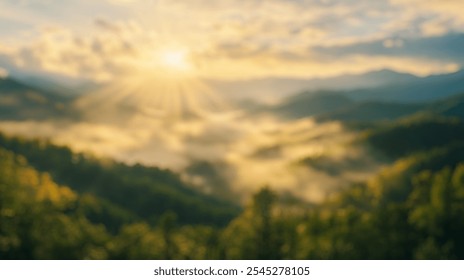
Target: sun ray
x,y
163,88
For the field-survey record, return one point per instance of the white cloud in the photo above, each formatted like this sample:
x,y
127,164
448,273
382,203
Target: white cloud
x,y
98,56
434,17
230,39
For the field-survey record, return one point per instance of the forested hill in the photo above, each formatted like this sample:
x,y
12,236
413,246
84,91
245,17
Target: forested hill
x,y
416,133
412,209
57,204
135,192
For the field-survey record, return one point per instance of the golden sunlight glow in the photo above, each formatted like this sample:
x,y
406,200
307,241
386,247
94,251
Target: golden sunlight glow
x,y
161,89
175,60
161,86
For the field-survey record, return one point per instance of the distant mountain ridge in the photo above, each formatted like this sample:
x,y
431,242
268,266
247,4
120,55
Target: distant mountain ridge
x,y
439,94
329,107
311,104
19,101
53,86
272,89
425,89
372,96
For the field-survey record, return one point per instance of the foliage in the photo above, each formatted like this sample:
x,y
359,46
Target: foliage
x,y
418,133
55,204
125,193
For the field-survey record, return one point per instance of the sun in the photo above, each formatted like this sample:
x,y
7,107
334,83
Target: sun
x,y
174,63
161,85
176,60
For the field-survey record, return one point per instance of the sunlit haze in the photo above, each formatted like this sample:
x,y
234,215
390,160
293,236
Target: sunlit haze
x,y
195,85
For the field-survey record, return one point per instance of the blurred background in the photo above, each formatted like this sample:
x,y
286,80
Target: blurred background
x,y
281,129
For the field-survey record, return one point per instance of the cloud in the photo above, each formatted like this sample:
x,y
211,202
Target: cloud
x,y
98,57
289,38
230,140
446,49
236,39
122,2
429,18
107,25
447,8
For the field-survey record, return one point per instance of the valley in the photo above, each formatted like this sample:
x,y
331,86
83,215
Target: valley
x,y
114,166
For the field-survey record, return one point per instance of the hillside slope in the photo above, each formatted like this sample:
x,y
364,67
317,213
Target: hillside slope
x,y
144,192
19,102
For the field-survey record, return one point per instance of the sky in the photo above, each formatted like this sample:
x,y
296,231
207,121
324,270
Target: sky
x,y
101,40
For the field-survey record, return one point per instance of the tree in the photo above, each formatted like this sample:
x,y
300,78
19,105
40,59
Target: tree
x,y
263,203
167,225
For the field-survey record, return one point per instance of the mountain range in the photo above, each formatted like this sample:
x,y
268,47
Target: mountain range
x,y
442,94
269,90
384,160
373,95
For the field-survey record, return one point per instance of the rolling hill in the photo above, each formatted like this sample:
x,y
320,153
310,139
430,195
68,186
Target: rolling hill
x,y
392,102
311,104
418,133
143,193
19,101
427,89
278,88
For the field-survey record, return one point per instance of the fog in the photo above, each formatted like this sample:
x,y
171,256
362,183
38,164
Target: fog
x,y
222,149
229,154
